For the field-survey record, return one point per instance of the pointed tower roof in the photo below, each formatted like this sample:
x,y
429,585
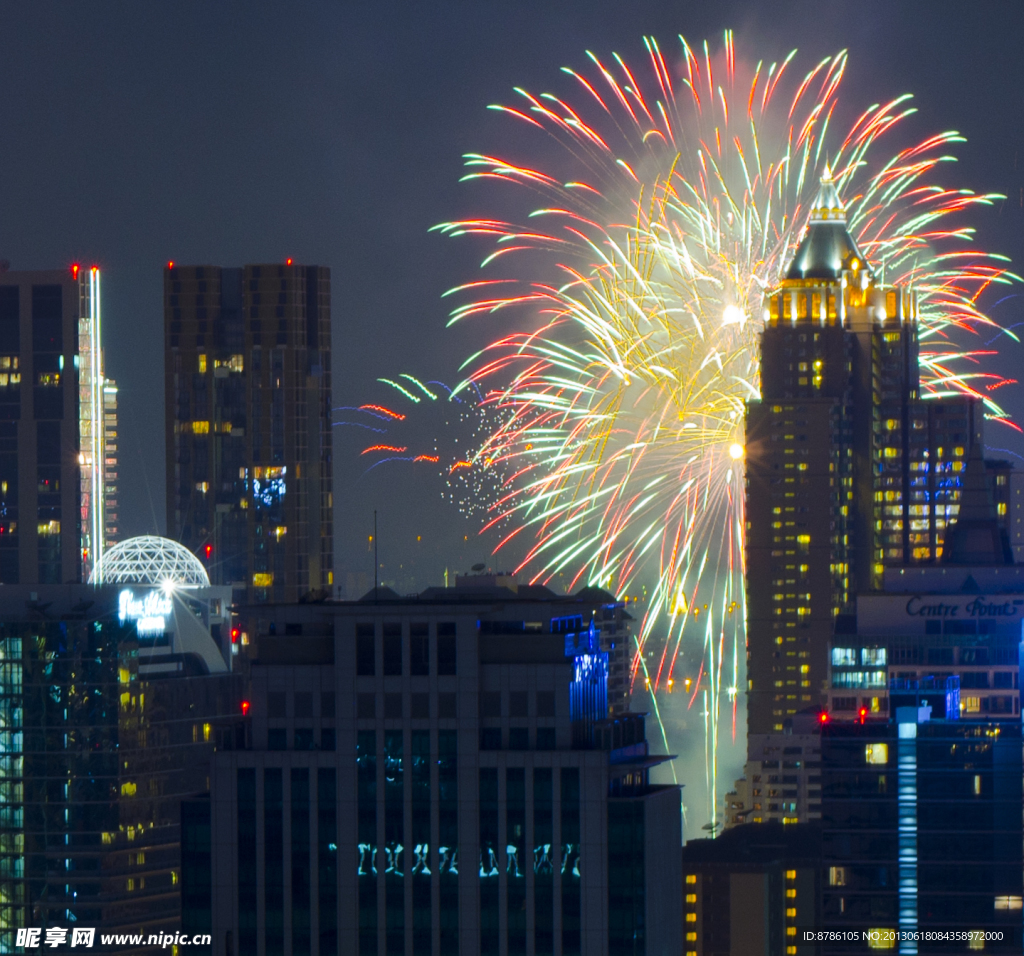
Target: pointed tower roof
x,y
976,537
827,247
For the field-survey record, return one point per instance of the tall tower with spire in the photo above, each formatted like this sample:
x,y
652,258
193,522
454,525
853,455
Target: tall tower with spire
x,y
848,470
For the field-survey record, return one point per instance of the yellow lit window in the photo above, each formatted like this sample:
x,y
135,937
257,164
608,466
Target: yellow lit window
x,y
876,753
131,884
971,704
881,939
837,876
691,877
691,897
791,931
128,789
1008,902
1001,507
790,912
200,428
174,877
48,528
206,732
691,917
279,532
790,874
202,364
790,894
262,579
48,379
790,951
202,486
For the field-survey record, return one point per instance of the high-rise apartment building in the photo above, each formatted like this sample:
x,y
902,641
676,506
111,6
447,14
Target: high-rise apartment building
x,y
51,426
248,414
849,471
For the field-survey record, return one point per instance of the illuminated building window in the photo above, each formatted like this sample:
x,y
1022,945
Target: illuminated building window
x,y
691,897
791,912
790,874
881,939
837,876
691,877
1008,903
876,753
48,379
262,579
691,917
202,364
49,528
972,705
200,428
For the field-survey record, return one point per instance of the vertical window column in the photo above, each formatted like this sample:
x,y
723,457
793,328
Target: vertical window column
x,y
515,850
273,861
489,921
448,840
422,936
327,859
543,875
570,860
300,862
366,769
247,872
394,841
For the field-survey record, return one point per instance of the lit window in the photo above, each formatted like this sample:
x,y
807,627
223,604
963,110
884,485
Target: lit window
x,y
844,656
691,877
48,528
206,732
790,912
971,704
881,939
837,876
691,917
790,874
691,897
876,753
790,894
202,364
1008,902
873,656
200,428
262,579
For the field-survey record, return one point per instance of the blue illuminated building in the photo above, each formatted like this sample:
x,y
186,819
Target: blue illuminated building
x,y
442,774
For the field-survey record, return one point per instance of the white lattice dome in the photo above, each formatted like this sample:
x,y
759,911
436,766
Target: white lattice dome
x,y
148,559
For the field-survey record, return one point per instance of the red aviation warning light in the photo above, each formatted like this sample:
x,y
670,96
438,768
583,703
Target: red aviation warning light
x,y
862,714
824,717
207,550
74,270
234,635
245,708
287,262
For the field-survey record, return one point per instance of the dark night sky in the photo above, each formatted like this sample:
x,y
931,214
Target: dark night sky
x,y
332,133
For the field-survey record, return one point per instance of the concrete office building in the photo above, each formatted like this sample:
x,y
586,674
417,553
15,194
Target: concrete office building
x,y
248,425
848,471
439,774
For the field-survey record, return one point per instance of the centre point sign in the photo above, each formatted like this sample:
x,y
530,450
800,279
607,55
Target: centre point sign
x,y
148,611
894,614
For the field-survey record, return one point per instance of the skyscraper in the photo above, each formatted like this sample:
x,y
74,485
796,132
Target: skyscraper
x,y
849,471
51,431
248,413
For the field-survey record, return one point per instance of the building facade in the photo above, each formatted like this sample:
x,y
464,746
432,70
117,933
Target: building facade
x,y
51,426
440,775
849,471
752,891
248,425
96,758
111,514
922,832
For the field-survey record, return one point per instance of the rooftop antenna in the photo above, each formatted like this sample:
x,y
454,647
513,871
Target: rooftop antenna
x,y
375,565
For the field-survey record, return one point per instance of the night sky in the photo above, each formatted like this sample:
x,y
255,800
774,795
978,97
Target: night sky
x,y
332,133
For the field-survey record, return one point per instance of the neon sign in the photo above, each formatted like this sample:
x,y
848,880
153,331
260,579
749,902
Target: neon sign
x,y
149,613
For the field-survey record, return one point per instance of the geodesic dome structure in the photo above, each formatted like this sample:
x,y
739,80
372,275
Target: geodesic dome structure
x,y
149,559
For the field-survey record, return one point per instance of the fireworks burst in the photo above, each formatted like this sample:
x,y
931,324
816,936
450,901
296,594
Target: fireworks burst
x,y
619,399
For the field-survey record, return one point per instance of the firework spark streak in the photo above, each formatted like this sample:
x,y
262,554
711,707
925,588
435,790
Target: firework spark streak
x,y
634,290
